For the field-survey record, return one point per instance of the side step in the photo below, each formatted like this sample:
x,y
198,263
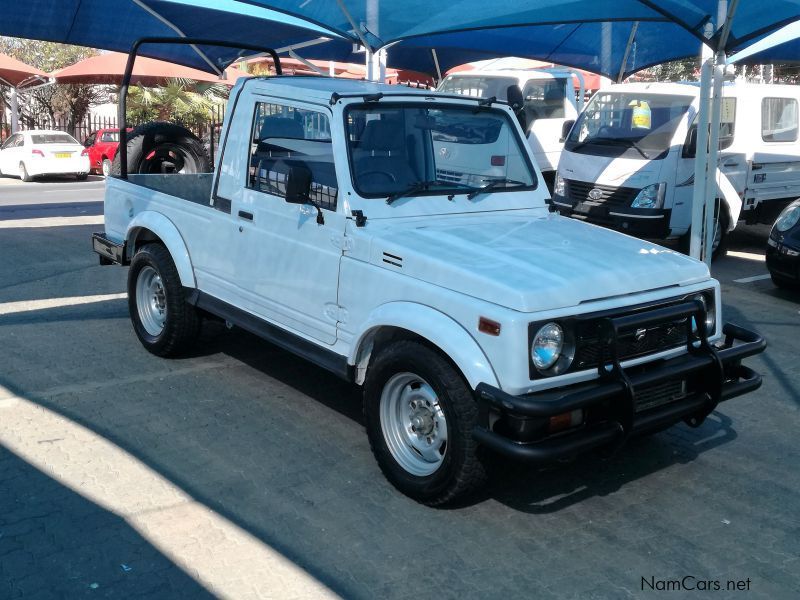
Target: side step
x,y
110,251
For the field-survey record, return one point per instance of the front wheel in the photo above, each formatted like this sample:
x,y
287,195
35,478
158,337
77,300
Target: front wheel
x,y
720,239
106,167
420,414
81,176
164,322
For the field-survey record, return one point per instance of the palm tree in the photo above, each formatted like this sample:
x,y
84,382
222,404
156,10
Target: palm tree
x,y
180,100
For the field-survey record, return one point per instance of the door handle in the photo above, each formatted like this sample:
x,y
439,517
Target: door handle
x,y
729,164
243,214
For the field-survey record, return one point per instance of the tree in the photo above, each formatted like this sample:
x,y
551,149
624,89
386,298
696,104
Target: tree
x,y
179,100
677,70
71,100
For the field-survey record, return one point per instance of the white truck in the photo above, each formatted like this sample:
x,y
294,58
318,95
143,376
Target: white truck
x,y
548,101
628,162
475,320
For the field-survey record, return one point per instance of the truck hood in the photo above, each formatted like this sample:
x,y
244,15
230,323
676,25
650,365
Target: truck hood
x,y
607,170
529,263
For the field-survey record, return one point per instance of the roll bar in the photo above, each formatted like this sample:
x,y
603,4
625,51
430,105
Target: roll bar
x,y
126,80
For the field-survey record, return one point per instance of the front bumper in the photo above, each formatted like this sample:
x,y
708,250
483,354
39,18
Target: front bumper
x,y
782,260
516,426
645,223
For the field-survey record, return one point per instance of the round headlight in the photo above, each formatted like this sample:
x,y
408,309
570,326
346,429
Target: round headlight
x,y
711,316
788,218
547,346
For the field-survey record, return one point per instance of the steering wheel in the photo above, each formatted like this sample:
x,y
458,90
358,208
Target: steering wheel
x,y
390,176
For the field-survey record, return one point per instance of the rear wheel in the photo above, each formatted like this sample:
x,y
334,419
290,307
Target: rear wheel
x,y
420,414
81,176
23,173
164,322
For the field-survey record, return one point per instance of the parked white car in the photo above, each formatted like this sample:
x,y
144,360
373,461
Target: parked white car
x,y
473,318
628,163
29,154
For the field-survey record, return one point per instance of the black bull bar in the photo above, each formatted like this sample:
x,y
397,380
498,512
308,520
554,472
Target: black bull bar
x,y
718,368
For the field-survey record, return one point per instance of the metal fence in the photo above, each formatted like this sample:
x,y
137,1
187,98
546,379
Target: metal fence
x,y
207,130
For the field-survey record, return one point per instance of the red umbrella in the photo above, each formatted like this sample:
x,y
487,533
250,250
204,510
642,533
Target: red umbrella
x,y
14,72
109,68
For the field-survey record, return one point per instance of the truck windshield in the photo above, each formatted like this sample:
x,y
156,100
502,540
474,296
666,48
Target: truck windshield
x,y
628,124
414,149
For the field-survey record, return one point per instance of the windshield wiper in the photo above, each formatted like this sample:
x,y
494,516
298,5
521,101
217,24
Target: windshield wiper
x,y
422,186
609,141
493,184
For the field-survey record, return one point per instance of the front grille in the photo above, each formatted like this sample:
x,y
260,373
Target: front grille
x,y
610,197
658,394
654,339
451,176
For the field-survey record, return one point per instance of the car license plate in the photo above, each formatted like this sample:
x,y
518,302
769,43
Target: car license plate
x,y
63,154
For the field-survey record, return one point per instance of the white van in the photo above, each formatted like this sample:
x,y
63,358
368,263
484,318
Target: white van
x,y
549,102
628,162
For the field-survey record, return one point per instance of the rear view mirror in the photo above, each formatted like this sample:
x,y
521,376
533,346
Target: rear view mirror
x,y
690,146
298,185
566,127
517,104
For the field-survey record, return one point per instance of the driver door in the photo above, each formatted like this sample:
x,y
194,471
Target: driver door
x,y
288,269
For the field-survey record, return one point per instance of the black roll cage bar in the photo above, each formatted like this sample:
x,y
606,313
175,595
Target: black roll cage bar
x,y
126,80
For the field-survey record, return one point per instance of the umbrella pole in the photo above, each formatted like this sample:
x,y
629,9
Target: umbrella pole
x,y
14,110
700,160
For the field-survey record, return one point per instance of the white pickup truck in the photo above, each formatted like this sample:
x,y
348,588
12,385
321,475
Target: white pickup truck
x,y
475,320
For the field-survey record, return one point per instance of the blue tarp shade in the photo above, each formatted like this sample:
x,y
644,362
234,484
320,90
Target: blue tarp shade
x,y
781,47
116,24
576,45
561,31
391,20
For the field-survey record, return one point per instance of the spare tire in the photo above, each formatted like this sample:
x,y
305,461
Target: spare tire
x,y
163,148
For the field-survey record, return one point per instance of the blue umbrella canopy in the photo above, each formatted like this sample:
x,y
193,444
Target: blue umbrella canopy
x,y
612,37
117,24
783,46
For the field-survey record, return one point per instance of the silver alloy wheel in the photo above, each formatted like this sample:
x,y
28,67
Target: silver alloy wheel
x,y
151,301
413,424
106,167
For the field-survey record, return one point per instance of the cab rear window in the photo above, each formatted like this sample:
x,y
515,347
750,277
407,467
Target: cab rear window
x,y
779,122
53,138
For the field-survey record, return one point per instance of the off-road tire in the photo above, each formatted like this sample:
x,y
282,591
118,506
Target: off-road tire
x,y
156,137
182,323
463,469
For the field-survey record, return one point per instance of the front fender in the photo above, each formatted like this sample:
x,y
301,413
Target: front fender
x,y
166,231
436,327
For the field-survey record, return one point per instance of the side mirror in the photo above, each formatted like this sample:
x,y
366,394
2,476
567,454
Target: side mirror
x,y
566,127
298,185
517,103
690,146
86,143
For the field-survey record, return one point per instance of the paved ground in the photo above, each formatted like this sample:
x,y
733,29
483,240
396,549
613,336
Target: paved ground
x,y
244,472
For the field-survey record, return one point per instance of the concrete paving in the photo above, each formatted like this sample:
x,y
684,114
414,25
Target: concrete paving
x,y
244,472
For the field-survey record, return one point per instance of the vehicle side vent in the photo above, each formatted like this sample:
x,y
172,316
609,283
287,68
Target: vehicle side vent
x,y
391,259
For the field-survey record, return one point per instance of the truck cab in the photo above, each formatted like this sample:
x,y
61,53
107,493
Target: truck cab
x,y
401,240
549,98
628,163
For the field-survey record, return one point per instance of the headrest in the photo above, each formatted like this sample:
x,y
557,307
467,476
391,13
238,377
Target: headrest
x,y
382,135
281,127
